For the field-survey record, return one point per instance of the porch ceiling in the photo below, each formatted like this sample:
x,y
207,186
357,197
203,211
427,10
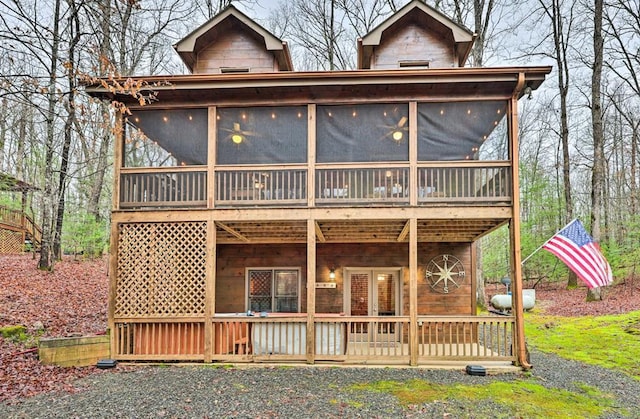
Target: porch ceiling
x,y
354,231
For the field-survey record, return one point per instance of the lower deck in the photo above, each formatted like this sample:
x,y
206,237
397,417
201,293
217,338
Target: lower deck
x,y
342,285
335,339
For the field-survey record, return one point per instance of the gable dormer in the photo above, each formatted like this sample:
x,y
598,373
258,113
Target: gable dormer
x,y
231,42
416,36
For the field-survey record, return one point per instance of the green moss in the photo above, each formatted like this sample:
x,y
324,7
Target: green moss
x,y
522,398
18,334
608,341
9,332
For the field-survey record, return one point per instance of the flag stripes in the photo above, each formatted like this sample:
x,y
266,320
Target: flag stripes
x,y
575,247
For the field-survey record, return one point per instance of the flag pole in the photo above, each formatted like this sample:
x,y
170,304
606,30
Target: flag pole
x,y
542,245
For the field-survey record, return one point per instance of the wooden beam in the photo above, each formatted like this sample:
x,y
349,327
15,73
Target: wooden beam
x,y
311,155
232,231
413,153
311,290
413,291
319,233
514,230
210,291
118,158
113,281
404,232
211,156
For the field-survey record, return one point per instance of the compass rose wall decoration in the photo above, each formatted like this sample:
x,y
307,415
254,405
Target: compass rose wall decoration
x,y
445,273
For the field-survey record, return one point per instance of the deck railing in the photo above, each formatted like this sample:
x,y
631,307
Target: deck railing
x,y
362,185
283,186
466,338
144,339
163,187
473,182
481,182
350,339
22,221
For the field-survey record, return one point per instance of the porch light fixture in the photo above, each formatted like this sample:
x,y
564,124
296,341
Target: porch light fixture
x,y
332,274
236,138
397,135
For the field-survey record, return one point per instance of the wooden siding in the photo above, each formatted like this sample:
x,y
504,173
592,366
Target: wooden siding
x,y
414,43
234,51
230,273
233,259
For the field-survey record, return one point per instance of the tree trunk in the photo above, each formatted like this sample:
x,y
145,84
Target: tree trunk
x,y
597,177
68,127
46,251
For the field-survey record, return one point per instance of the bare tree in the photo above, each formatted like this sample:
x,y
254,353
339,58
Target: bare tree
x,y
598,170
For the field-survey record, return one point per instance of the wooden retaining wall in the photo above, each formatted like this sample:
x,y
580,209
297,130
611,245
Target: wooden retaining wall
x,y
74,351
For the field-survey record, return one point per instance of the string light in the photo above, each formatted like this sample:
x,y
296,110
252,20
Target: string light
x,y
165,119
273,115
190,118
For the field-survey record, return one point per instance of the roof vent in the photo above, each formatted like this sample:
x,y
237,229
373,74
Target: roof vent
x,y
414,64
234,70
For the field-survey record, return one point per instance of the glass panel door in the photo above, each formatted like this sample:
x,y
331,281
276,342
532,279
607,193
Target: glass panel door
x,y
385,294
373,292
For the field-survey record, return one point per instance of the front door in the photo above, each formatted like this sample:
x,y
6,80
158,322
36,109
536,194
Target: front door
x,y
373,292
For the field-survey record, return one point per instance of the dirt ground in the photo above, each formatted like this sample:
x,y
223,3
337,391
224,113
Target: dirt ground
x,y
72,300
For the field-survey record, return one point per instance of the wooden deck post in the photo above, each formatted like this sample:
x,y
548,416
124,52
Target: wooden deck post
x,y
413,153
514,231
113,273
413,291
311,289
211,156
118,149
210,291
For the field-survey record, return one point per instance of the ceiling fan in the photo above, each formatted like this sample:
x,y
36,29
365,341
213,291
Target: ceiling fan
x,y
397,131
237,135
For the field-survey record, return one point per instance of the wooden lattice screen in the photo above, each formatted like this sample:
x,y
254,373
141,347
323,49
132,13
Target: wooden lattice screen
x,y
10,242
161,269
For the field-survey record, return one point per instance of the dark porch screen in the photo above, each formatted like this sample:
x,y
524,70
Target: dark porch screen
x,y
362,133
262,135
462,131
157,138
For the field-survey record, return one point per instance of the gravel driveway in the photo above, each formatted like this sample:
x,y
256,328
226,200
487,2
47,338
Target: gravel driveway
x,y
296,392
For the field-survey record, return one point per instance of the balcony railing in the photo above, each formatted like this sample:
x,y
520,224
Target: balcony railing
x,y
355,339
163,188
489,182
287,186
383,184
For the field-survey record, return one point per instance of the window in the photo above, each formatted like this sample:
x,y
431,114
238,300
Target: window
x,y
273,290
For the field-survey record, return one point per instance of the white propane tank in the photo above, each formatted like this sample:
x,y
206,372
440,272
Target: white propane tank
x,y
503,301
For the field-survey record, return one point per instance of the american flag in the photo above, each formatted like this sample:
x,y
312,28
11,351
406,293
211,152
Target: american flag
x,y
576,248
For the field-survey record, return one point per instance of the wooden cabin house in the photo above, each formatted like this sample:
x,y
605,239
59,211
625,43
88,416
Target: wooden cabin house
x,y
264,214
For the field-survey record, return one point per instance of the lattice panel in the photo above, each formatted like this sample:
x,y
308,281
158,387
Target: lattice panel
x,y
161,269
10,242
